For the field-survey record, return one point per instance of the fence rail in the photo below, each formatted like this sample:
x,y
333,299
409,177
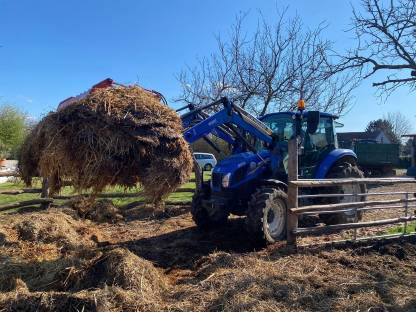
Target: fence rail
x,y
355,181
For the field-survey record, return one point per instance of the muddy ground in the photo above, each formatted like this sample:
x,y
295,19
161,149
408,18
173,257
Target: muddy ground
x,y
56,261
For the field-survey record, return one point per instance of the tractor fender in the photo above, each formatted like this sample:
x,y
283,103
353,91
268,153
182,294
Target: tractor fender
x,y
274,183
331,159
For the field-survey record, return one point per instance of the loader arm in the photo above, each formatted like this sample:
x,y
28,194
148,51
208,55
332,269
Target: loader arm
x,y
223,122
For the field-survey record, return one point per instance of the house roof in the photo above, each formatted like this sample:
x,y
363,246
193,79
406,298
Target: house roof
x,y
350,136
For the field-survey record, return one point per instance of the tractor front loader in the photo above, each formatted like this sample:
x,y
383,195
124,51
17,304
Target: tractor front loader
x,y
252,181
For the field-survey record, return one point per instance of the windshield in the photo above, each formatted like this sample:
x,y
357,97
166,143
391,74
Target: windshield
x,y
323,137
282,125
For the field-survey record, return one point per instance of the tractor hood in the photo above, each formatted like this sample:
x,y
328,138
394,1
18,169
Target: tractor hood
x,y
239,168
234,162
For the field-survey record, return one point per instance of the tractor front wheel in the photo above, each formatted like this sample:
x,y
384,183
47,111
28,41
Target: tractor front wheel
x,y
203,217
266,215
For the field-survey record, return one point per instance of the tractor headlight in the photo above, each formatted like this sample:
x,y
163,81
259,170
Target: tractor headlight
x,y
226,180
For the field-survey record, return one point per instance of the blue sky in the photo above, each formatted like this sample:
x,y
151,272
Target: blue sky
x,y
54,49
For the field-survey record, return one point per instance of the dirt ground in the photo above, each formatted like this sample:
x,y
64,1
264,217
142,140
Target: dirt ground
x,y
55,261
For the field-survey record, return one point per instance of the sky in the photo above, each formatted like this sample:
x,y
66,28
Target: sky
x,y
50,50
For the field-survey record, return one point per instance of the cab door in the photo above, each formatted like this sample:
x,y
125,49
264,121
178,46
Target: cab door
x,y
316,147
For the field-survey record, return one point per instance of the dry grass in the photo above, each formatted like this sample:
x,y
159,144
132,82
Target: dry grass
x,y
116,136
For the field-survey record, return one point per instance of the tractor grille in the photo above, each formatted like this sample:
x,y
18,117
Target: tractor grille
x,y
216,179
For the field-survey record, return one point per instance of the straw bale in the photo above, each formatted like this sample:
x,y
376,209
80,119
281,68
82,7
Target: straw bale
x,y
116,136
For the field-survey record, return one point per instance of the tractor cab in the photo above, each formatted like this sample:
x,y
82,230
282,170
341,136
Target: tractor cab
x,y
316,145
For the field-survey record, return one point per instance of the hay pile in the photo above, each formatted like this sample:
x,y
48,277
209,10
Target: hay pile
x,y
115,136
114,280
115,267
376,278
99,211
109,299
52,226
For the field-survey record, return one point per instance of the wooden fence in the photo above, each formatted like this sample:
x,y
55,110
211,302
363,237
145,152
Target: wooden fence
x,y
359,203
45,200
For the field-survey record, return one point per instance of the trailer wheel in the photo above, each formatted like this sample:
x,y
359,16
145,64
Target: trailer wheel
x,y
266,215
206,218
341,171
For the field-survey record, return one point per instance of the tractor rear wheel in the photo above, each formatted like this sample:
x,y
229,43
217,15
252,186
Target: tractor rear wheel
x,y
342,171
266,215
203,217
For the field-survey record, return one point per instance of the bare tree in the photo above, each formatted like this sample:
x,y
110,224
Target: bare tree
x,y
400,123
269,70
385,32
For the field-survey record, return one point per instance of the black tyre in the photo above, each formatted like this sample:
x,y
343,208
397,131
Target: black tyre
x,y
266,215
203,217
208,167
341,171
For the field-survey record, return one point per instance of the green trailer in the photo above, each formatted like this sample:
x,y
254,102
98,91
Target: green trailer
x,y
374,158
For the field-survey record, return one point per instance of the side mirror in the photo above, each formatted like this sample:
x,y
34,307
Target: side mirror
x,y
312,121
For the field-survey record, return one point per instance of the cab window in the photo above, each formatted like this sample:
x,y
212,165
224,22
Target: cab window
x,y
323,137
282,125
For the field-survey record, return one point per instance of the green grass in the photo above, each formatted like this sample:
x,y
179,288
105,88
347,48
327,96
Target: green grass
x,y
411,227
68,191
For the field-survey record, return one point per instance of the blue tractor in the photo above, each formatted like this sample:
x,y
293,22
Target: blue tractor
x,y
252,181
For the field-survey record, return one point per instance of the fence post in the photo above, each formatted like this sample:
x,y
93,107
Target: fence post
x,y
45,193
292,194
355,212
45,188
406,212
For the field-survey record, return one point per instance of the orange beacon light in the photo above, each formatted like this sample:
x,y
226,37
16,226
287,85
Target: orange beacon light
x,y
301,104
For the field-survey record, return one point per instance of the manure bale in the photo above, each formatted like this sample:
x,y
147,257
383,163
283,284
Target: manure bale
x,y
115,136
